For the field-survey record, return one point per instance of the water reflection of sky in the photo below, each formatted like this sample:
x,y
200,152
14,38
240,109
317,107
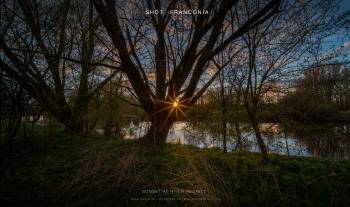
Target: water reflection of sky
x,y
328,142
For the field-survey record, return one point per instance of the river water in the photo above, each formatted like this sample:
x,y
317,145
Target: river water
x,y
300,140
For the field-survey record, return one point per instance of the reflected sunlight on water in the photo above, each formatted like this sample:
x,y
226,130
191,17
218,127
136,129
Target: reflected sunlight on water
x,y
328,141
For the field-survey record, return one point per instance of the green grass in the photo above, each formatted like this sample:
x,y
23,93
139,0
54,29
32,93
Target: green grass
x,y
67,170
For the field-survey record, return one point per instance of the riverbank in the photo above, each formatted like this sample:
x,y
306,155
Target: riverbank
x,y
67,170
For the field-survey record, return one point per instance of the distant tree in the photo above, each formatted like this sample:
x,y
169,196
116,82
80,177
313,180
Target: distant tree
x,y
327,84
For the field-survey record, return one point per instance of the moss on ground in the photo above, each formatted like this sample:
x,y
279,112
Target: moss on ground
x,y
68,170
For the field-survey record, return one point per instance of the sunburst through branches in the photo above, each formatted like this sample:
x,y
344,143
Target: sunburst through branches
x,y
174,107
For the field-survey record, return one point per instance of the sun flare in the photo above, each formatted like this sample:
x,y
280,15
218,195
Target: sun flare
x,y
175,104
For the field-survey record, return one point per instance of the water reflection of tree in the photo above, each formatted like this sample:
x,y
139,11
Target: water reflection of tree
x,y
325,141
286,138
208,134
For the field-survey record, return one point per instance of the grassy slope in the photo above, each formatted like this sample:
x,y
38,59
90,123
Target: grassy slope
x,y
83,171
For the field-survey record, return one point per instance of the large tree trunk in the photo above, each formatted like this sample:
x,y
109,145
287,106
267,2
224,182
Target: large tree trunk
x,y
224,136
239,137
71,122
12,130
73,126
160,126
251,110
80,117
259,138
